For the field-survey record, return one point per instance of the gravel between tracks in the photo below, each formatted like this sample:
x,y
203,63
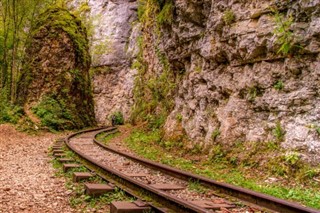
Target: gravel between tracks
x,y
27,181
122,164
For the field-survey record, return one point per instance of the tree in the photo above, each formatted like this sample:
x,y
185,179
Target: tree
x,y
16,20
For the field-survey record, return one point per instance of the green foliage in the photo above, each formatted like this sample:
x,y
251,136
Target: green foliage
x,y
252,93
292,158
153,96
283,33
179,118
311,173
278,132
10,113
217,153
118,118
215,134
141,142
147,10
229,17
197,187
59,18
105,137
54,114
225,170
196,149
279,85
166,14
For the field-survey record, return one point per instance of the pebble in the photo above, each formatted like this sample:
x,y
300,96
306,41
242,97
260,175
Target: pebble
x,y
28,183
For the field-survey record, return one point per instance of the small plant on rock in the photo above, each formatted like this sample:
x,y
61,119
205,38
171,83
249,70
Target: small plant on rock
x,y
278,132
215,134
165,16
229,17
318,130
279,85
179,118
283,33
252,93
292,158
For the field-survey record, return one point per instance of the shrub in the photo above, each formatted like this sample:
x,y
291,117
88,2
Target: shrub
x,y
117,118
10,113
54,114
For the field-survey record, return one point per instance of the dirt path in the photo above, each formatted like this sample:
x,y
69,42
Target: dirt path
x,y
27,181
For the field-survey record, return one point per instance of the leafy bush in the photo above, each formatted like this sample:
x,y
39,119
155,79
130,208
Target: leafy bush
x,y
10,113
117,118
54,114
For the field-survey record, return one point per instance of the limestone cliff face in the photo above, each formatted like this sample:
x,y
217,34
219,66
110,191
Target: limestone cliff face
x,y
230,81
113,33
236,86
55,83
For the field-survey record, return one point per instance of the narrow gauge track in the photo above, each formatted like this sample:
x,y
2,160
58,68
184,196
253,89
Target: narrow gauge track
x,y
154,177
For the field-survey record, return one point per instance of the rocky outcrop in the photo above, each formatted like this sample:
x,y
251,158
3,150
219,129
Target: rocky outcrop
x,y
112,47
231,82
55,83
236,85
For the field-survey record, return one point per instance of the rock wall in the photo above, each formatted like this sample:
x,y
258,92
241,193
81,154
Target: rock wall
x,y
232,83
113,32
55,83
236,85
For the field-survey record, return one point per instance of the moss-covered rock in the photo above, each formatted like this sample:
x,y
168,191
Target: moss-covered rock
x,y
55,83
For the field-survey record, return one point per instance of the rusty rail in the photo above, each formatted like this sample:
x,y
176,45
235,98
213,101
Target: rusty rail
x,y
256,198
187,206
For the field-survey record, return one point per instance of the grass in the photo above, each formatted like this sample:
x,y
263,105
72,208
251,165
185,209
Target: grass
x,y
197,187
221,167
279,132
106,137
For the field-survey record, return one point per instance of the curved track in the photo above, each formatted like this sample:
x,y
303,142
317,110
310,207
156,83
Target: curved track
x,y
148,175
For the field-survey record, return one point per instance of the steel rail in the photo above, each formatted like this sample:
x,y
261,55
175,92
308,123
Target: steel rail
x,y
182,203
256,198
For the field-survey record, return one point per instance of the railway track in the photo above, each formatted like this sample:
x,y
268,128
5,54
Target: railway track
x,y
176,190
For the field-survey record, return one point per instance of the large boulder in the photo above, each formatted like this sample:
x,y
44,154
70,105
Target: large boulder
x,y
55,83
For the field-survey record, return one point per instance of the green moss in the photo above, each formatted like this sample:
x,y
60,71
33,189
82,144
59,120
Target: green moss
x,y
54,114
59,18
165,16
69,103
229,17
